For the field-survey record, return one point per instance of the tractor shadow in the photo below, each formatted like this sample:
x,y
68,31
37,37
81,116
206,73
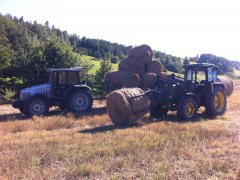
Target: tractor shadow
x,y
103,129
12,117
146,120
93,112
18,116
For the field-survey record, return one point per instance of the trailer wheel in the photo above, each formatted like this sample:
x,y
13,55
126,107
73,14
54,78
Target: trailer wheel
x,y
80,101
215,104
187,109
36,106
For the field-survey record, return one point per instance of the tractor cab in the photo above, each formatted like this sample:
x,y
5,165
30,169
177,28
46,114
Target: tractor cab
x,y
200,73
63,78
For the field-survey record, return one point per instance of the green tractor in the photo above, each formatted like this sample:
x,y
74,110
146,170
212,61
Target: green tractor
x,y
200,87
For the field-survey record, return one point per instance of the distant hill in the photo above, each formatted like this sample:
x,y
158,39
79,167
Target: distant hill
x,y
226,65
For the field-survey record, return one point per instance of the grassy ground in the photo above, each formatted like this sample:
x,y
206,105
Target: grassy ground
x,y
61,146
237,72
96,63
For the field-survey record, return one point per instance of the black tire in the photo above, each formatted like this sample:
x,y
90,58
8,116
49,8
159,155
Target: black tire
x,y
216,103
36,106
187,108
80,101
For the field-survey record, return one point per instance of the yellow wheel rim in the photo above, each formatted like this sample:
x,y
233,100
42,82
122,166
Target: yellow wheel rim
x,y
219,101
190,110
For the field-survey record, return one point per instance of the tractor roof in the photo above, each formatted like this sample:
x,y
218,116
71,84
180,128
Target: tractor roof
x,y
65,69
199,65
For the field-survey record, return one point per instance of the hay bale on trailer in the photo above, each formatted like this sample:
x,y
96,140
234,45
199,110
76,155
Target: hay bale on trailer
x,y
154,67
147,79
228,84
134,65
119,108
143,51
118,79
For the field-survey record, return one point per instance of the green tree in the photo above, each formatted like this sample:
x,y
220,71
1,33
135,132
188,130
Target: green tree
x,y
105,66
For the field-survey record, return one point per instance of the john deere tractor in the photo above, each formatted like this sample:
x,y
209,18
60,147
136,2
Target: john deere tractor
x,y
64,89
200,87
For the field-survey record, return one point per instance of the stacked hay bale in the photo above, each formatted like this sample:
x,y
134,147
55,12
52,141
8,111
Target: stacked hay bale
x,y
134,70
118,79
137,71
121,110
228,84
154,67
147,79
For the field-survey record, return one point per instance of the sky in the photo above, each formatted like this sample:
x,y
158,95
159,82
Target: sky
x,y
178,27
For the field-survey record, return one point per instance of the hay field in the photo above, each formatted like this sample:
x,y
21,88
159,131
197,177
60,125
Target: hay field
x,y
61,146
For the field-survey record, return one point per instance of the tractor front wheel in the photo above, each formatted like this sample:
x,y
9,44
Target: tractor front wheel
x,y
80,101
36,106
187,109
215,104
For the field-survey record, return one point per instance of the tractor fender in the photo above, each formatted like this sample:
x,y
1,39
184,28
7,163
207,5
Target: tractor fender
x,y
194,96
41,96
70,90
216,84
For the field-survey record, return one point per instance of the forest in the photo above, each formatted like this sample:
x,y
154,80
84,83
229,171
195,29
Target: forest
x,y
27,49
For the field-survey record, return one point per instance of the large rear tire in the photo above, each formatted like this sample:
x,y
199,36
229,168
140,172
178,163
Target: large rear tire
x,y
36,106
216,103
187,109
80,101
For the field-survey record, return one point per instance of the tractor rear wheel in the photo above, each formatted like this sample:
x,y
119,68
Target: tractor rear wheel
x,y
80,101
36,106
187,108
215,104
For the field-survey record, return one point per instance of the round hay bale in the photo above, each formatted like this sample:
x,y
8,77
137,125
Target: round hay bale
x,y
147,79
143,51
228,84
118,79
133,65
133,80
154,67
119,109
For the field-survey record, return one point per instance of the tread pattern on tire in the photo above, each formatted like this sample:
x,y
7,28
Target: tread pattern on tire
x,y
181,108
70,99
28,102
209,102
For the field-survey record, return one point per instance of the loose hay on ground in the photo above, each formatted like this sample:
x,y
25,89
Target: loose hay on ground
x,y
119,108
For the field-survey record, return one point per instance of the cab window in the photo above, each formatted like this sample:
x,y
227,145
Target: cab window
x,y
72,78
201,77
189,75
61,77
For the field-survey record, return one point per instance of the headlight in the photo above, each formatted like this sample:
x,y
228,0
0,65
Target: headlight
x,y
24,95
